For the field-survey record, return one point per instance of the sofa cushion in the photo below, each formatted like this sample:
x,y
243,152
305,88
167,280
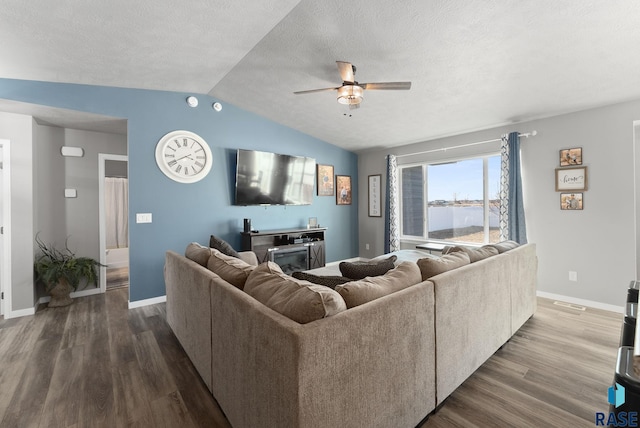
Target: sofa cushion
x,y
249,257
475,254
198,253
222,246
328,281
365,290
298,300
431,267
359,270
504,246
233,270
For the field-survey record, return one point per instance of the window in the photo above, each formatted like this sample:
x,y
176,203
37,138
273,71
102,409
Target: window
x,y
460,198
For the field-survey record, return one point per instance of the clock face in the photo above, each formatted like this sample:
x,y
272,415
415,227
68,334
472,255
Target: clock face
x,y
184,156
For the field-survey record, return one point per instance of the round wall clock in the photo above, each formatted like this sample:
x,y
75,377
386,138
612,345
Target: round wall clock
x,y
184,156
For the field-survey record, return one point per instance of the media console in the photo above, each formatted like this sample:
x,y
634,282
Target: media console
x,y
292,249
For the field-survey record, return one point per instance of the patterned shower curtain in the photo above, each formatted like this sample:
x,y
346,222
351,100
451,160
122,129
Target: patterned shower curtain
x,y
392,217
512,221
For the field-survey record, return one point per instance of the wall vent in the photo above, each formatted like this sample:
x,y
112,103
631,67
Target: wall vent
x,y
570,306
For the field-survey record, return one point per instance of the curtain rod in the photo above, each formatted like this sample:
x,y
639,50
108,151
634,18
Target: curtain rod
x,y
444,149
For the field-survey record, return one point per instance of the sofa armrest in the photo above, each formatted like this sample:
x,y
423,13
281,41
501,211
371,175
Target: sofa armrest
x,y
523,263
188,287
473,319
249,257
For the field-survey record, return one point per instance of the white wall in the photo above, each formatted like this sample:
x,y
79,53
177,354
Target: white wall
x,y
19,130
597,242
49,204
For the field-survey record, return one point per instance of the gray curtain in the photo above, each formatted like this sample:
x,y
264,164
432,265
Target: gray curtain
x,y
512,219
392,203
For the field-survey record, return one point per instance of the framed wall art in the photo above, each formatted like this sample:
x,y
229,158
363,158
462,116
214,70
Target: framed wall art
x,y
324,180
571,201
571,179
569,157
374,195
343,190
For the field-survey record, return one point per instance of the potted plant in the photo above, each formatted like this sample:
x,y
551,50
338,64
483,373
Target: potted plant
x,y
61,272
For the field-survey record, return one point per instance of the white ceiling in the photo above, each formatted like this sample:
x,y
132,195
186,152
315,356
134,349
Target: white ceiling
x,y
474,64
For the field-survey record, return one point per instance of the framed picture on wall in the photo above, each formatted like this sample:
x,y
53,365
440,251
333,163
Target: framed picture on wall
x,y
571,201
374,195
571,179
570,157
343,190
324,180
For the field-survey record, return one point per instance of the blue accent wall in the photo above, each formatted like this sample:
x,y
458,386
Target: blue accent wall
x,y
183,213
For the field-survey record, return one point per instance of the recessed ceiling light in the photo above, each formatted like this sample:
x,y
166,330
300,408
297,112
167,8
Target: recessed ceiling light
x,y
217,106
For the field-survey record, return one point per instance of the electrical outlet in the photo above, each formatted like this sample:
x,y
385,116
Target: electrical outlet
x,y
573,276
366,246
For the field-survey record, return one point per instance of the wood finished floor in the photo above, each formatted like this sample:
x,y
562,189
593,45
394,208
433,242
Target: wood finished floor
x,y
98,364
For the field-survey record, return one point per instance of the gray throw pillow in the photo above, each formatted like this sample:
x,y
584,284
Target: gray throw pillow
x,y
360,270
328,281
365,290
298,300
222,246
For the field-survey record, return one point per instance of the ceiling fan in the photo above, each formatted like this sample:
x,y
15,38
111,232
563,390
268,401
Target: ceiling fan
x,y
350,93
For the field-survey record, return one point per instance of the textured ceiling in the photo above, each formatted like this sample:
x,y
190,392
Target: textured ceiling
x,y
474,65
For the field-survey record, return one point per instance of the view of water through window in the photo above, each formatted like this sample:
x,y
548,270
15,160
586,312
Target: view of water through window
x,y
456,200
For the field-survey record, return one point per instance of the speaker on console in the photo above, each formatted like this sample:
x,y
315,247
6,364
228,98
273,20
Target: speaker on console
x,y
247,225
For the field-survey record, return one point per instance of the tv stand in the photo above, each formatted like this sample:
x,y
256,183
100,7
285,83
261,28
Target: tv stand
x,y
266,243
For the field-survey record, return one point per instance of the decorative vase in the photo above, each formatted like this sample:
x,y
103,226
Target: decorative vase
x,y
60,294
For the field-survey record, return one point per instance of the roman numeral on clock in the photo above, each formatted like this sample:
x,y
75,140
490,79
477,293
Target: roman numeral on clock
x,y
172,163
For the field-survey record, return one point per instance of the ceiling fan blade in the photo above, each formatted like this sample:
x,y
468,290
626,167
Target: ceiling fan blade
x,y
310,91
386,85
346,71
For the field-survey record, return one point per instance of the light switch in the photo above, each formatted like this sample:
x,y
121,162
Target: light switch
x,y
70,193
143,218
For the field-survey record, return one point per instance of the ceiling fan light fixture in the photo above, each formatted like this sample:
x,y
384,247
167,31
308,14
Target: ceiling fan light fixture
x,y
350,94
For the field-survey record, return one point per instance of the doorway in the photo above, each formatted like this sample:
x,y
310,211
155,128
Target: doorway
x,y
113,189
5,229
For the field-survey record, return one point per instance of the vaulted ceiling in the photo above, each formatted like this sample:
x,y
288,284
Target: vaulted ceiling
x,y
473,65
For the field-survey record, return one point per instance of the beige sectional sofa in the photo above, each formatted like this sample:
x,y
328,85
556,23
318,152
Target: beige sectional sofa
x,y
387,362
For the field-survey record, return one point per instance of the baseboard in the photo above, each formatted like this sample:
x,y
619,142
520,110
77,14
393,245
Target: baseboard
x,y
147,302
583,302
20,313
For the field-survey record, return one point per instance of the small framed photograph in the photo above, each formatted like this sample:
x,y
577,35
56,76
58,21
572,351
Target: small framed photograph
x,y
571,179
374,195
569,157
343,190
571,201
325,180
313,222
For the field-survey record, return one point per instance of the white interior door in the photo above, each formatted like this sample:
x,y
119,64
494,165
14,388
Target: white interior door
x,y
1,236
5,228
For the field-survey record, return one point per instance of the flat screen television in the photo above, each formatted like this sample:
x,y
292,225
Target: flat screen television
x,y
264,178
